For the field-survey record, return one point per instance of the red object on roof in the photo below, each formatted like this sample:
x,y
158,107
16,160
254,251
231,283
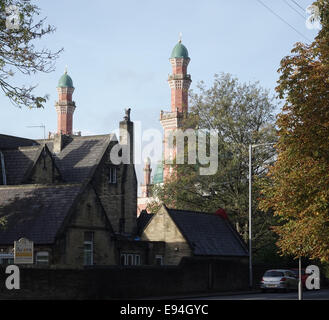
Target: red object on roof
x,y
221,212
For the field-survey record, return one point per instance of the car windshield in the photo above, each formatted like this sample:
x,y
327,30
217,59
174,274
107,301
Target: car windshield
x,y
273,274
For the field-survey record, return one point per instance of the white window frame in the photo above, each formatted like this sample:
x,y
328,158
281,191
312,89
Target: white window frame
x,y
130,257
135,259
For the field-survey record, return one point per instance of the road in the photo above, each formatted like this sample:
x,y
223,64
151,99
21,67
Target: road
x,y
322,294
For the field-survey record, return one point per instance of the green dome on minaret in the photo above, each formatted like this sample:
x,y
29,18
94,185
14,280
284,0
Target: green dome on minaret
x,y
179,51
65,81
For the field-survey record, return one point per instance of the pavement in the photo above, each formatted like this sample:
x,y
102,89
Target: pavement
x,y
201,295
322,294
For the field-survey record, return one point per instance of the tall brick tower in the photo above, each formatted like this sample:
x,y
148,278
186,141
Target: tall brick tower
x,y
65,106
179,82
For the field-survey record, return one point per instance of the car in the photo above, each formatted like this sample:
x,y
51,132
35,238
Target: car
x,y
304,275
279,279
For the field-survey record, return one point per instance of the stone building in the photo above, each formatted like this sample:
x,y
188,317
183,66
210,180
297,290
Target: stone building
x,y
191,234
75,196
68,197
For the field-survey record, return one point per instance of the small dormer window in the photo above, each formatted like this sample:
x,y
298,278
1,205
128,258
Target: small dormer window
x,y
113,175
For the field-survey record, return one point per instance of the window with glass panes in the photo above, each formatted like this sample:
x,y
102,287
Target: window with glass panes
x,y
42,257
88,247
113,175
130,259
6,258
159,260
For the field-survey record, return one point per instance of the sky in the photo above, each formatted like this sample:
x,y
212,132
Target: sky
x,y
117,53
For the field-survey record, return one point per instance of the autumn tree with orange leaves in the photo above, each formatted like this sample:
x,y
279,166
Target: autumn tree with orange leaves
x,y
298,187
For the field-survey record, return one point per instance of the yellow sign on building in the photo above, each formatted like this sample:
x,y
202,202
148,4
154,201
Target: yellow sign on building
x,y
23,251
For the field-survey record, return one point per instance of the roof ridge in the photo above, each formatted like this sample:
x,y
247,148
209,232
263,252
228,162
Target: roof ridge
x,y
192,211
23,148
100,136
106,135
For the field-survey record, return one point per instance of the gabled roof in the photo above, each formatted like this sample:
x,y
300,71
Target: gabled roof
x,y
35,212
76,162
142,220
79,159
208,234
18,162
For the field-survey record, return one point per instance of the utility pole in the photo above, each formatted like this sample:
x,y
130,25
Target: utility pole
x,y
300,285
250,211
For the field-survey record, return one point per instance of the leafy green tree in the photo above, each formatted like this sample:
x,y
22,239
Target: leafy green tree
x,y
19,30
241,114
298,189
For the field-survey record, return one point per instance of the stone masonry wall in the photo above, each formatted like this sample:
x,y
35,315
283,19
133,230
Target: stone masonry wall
x,y
89,216
163,228
193,275
44,171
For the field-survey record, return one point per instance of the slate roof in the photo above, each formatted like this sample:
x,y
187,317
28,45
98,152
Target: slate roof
x,y
208,234
142,220
76,162
11,142
35,211
80,157
19,161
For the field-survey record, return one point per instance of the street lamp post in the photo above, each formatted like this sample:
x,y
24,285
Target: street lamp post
x,y
250,247
300,285
251,146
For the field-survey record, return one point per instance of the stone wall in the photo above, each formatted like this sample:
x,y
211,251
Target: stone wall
x,y
118,199
88,216
193,275
163,228
44,170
